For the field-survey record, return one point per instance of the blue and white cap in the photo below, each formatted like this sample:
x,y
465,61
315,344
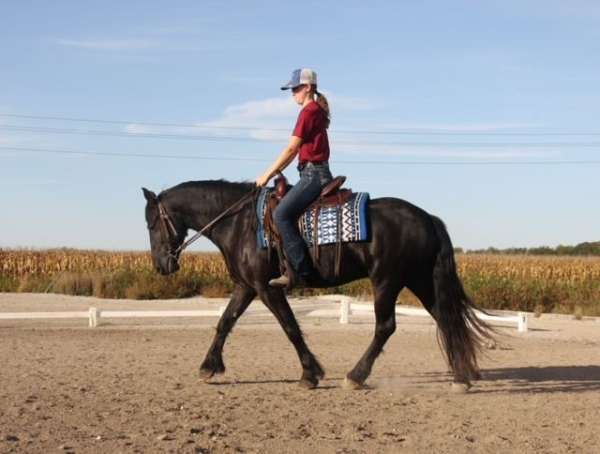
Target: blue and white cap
x,y
300,77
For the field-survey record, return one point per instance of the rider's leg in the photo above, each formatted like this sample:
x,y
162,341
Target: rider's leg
x,y
312,179
286,216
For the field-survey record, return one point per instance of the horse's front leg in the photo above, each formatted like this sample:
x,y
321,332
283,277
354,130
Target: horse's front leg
x,y
275,300
239,302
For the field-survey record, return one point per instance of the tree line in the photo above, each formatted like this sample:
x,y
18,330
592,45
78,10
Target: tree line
x,y
586,248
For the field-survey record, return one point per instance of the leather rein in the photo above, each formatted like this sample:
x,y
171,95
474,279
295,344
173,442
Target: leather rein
x,y
167,226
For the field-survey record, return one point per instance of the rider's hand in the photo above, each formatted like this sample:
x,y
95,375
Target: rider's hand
x,y
262,180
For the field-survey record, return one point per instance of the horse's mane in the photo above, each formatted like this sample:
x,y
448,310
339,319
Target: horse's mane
x,y
216,185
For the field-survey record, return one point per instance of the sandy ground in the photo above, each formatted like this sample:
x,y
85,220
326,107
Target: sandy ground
x,y
132,386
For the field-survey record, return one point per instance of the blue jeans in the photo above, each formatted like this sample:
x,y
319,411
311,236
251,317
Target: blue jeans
x,y
312,179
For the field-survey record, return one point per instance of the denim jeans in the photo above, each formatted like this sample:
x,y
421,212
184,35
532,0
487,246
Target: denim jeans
x,y
312,179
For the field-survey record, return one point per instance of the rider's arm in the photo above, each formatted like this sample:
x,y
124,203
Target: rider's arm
x,y
285,158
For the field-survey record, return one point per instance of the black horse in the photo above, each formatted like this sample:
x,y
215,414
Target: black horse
x,y
408,248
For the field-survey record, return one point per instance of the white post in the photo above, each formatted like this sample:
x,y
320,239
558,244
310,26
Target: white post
x,y
345,310
94,317
522,323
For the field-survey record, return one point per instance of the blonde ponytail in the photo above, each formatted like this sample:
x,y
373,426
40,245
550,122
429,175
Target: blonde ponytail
x,y
322,101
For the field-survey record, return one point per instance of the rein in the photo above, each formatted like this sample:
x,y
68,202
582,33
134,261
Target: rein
x,y
168,224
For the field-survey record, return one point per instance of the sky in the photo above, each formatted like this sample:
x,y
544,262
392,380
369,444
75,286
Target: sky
x,y
484,113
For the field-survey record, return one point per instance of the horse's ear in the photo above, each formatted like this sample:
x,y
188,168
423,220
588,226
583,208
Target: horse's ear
x,y
150,196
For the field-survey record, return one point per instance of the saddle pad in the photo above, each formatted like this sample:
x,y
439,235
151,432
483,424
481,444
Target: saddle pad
x,y
350,219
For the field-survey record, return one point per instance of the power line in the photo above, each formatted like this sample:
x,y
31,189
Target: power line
x,y
140,123
96,132
134,155
338,161
212,138
406,131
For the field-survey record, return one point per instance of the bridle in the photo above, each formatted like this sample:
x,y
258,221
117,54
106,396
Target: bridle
x,y
168,231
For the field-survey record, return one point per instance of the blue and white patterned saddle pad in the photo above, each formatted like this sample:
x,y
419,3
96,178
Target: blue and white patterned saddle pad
x,y
349,218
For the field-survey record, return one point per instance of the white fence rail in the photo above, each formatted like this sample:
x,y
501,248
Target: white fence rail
x,y
347,308
94,315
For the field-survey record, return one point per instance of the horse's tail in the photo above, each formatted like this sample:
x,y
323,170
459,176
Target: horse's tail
x,y
460,332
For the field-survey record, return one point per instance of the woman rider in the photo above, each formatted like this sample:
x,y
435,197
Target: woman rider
x,y
309,141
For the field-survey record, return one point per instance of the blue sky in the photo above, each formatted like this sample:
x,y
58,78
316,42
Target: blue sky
x,y
483,92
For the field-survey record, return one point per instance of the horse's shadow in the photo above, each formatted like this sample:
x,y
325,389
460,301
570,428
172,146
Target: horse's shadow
x,y
267,382
547,379
520,380
515,380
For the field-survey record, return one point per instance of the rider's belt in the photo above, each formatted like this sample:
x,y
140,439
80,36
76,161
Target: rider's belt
x,y
302,164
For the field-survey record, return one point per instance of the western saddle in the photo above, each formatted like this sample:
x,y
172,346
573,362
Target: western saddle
x,y
331,195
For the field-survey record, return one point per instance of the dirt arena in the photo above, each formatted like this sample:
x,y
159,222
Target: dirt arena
x,y
132,386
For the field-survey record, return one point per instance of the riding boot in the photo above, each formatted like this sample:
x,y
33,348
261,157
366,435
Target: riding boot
x,y
291,279
286,278
281,281
306,276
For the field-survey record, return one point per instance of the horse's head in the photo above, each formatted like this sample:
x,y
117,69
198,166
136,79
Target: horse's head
x,y
167,233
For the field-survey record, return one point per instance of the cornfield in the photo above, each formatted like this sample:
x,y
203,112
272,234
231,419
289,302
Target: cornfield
x,y
517,282
18,263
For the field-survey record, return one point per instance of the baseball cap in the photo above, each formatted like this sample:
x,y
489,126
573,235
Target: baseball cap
x,y
300,77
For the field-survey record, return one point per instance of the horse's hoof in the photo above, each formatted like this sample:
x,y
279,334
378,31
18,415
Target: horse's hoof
x,y
460,388
320,375
351,385
307,384
206,374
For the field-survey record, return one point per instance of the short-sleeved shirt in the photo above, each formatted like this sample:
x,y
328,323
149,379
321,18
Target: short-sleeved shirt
x,y
311,127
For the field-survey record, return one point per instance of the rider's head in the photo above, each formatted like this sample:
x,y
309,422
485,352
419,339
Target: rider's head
x,y
303,85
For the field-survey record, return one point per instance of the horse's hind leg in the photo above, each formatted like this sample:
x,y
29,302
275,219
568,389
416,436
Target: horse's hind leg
x,y
239,302
385,325
424,290
277,303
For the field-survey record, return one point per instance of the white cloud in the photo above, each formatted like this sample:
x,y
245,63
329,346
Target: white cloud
x,y
139,129
270,108
272,120
269,135
269,119
110,44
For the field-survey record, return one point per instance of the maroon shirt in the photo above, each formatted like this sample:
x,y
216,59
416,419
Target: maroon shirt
x,y
311,127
